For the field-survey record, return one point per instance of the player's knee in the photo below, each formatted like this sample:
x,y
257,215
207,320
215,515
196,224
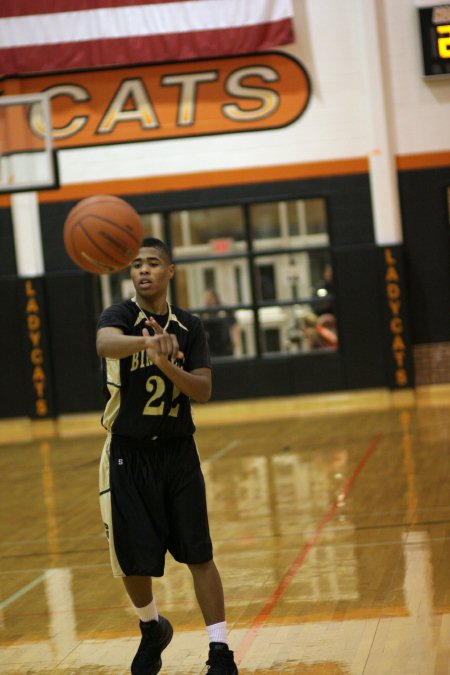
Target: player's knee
x,y
199,568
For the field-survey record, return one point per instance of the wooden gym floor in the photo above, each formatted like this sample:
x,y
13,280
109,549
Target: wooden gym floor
x,y
331,522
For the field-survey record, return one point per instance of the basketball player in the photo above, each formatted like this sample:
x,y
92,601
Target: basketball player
x,y
152,492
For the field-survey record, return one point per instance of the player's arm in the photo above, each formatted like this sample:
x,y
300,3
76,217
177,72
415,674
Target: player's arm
x,y
112,343
196,384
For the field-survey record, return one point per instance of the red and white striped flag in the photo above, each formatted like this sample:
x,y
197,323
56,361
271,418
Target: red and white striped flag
x,y
72,34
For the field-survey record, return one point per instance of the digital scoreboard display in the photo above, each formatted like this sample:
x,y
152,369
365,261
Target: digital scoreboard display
x,y
435,36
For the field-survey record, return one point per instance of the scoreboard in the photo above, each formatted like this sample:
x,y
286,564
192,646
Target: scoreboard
x,y
434,19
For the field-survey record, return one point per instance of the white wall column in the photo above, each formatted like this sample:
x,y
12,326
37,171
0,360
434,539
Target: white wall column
x,y
381,153
27,234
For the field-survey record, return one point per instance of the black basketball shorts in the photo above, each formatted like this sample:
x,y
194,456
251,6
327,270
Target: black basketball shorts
x,y
152,500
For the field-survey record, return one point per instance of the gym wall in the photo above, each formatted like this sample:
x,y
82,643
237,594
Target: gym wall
x,y
327,151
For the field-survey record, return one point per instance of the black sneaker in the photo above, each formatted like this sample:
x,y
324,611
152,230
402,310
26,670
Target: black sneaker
x,y
220,660
156,635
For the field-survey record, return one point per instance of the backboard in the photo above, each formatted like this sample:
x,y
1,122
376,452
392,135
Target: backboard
x,y
27,160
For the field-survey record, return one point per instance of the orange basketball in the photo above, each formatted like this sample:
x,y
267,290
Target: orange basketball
x,y
102,234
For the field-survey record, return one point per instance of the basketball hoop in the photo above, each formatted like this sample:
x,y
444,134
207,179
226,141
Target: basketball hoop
x,y
26,157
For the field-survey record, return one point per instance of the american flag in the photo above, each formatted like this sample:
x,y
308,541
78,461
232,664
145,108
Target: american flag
x,y
60,35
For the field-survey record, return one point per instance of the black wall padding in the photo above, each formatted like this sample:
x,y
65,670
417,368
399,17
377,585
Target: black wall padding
x,y
427,252
358,364
14,384
7,248
72,310
52,217
359,314
32,307
277,375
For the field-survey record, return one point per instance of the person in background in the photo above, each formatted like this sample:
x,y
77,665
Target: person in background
x,y
320,331
152,491
323,291
222,329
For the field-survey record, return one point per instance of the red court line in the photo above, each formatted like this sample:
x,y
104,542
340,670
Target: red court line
x,y
301,557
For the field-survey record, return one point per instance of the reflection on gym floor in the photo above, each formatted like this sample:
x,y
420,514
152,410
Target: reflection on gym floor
x,y
331,531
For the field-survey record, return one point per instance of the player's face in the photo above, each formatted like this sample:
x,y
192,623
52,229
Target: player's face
x,y
151,273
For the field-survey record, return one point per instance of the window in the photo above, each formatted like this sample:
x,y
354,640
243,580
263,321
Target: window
x,y
200,227
266,284
259,275
303,221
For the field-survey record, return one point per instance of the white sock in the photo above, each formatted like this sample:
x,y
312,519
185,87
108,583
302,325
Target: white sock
x,y
217,632
149,612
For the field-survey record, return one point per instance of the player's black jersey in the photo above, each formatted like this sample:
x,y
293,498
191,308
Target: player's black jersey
x,y
142,401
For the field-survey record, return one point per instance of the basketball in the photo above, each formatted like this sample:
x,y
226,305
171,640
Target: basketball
x,y
102,234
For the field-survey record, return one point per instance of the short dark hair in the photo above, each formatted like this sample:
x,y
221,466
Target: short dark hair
x,y
153,242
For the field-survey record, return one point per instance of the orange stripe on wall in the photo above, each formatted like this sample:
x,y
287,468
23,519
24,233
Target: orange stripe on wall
x,y
430,160
232,177
209,179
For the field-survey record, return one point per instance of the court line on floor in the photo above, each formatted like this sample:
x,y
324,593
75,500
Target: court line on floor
x,y
265,612
18,594
223,451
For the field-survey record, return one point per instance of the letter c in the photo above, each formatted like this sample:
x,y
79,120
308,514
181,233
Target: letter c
x,y
75,124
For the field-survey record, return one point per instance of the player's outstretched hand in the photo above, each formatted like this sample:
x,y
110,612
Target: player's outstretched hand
x,y
161,344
